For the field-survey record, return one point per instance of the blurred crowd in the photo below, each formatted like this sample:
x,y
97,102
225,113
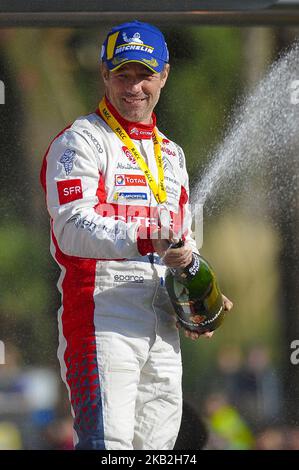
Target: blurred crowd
x,y
34,410
241,409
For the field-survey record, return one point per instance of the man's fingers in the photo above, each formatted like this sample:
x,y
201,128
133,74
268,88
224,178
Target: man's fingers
x,y
177,257
227,304
194,335
191,334
208,334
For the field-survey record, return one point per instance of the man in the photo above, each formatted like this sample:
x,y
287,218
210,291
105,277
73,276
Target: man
x,y
108,178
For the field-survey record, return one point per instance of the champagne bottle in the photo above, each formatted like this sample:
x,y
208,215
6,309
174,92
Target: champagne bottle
x,y
195,294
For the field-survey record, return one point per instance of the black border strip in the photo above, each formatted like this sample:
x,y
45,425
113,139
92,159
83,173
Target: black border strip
x,y
275,17
56,6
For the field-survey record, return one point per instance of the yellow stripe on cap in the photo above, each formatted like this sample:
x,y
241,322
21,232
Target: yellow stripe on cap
x,y
111,45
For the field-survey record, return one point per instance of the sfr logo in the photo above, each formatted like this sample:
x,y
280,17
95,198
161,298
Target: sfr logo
x,y
72,190
69,190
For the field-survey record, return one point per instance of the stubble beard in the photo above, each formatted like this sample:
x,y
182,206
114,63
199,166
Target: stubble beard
x,y
135,115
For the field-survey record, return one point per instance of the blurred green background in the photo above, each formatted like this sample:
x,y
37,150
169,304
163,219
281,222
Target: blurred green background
x,y
51,76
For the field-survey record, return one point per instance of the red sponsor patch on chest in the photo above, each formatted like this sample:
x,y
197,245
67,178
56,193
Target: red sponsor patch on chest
x,y
130,180
69,190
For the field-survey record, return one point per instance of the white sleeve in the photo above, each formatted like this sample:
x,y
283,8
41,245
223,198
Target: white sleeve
x,y
72,180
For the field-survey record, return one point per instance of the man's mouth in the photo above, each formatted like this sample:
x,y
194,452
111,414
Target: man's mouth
x,y
133,100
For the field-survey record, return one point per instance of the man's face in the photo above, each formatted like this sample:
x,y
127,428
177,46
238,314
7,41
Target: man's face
x,y
134,90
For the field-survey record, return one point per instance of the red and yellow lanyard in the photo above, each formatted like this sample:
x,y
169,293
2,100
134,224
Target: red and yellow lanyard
x,y
158,190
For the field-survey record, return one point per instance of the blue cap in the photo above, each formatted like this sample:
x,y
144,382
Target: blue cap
x,y
135,42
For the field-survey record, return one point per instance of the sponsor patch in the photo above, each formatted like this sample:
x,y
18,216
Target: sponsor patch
x,y
152,62
168,151
130,180
167,165
129,155
181,156
127,166
130,196
94,140
128,278
120,180
133,47
69,190
135,39
140,132
67,160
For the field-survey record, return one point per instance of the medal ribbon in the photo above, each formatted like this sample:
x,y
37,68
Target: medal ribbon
x,y
158,190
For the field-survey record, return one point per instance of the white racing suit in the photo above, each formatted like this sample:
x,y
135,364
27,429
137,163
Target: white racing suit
x,y
118,344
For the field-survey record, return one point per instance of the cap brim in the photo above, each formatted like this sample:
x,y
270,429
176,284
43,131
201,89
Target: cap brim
x,y
152,63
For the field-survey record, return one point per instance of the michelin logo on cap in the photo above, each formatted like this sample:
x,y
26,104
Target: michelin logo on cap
x,y
135,39
135,42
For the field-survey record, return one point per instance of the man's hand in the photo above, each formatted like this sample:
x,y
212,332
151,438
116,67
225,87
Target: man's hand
x,y
172,257
227,306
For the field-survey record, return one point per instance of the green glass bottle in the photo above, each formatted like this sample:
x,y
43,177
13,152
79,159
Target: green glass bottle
x,y
195,294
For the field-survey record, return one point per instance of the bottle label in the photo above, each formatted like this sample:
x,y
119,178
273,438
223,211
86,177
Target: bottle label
x,y
194,266
211,320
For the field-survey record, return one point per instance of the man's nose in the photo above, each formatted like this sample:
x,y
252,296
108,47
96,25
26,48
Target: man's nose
x,y
134,85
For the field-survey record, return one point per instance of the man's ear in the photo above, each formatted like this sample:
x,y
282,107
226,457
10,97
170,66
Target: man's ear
x,y
104,72
164,74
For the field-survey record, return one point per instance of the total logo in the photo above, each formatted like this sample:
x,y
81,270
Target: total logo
x,y
130,180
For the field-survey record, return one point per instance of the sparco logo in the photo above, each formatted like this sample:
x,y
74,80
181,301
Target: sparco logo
x,y
128,278
94,140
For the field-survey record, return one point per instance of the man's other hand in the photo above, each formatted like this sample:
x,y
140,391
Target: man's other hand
x,y
227,306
